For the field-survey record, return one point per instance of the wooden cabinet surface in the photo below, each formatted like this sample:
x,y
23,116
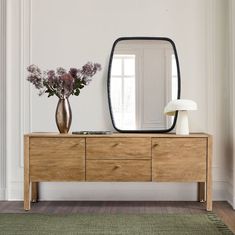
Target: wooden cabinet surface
x,y
55,159
179,159
118,170
117,157
118,148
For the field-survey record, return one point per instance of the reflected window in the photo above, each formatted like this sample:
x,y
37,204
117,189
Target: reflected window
x,y
123,90
174,77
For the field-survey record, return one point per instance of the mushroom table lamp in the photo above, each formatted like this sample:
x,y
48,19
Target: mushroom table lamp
x,y
182,106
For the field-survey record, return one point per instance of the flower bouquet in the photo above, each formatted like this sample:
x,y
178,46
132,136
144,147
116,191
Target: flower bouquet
x,y
62,83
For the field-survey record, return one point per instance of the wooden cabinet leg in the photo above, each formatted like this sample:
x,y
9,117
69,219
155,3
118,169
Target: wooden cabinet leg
x,y
26,174
26,195
209,176
201,191
34,191
208,198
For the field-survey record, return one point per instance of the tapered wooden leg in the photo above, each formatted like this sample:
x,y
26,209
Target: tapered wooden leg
x,y
34,191
26,195
201,191
26,174
209,176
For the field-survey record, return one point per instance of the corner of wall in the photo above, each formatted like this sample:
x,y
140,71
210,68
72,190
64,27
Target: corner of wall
x,y
231,57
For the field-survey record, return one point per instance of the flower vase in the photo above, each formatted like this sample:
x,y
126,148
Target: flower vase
x,y
63,115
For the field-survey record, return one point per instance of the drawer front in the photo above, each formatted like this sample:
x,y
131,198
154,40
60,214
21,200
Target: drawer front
x,y
118,148
179,159
118,170
57,159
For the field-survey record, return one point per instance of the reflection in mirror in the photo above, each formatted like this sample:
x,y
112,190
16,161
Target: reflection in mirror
x,y
143,78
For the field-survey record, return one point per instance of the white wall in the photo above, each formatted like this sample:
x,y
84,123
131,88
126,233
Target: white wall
x,y
231,145
218,116
53,33
233,76
224,77
2,98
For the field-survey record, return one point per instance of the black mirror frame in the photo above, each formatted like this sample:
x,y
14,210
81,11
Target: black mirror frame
x,y
109,76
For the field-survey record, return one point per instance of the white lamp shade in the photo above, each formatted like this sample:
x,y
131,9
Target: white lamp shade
x,y
179,105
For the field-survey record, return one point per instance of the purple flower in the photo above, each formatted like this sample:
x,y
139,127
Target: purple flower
x,y
60,71
67,78
73,72
60,82
97,66
51,74
68,82
89,69
34,69
35,76
36,81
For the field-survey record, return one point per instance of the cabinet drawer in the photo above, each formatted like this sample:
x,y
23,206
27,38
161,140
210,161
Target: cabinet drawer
x,y
118,170
179,159
57,159
118,148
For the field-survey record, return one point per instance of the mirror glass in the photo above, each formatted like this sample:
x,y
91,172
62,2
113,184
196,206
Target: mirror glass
x,y
143,78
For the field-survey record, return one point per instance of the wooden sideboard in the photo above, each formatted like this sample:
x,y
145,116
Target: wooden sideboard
x,y
117,157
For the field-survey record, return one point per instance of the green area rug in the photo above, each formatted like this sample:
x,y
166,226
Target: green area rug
x,y
166,224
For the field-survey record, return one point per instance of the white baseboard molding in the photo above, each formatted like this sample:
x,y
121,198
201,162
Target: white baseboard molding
x,y
231,201
230,195
219,191
2,194
87,191
119,191
15,191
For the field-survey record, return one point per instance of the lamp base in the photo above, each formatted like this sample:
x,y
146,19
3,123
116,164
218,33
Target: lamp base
x,y
182,123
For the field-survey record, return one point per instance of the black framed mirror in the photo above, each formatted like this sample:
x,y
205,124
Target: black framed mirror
x,y
143,76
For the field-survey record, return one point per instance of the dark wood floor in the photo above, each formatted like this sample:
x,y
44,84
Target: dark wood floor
x,y
222,209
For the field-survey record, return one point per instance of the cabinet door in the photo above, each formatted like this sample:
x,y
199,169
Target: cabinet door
x,y
179,159
57,159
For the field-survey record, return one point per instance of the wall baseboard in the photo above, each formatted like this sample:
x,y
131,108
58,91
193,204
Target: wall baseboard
x,y
114,191
219,191
230,197
15,192
2,194
231,201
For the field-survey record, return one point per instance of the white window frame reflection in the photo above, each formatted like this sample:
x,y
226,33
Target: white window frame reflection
x,y
174,78
125,122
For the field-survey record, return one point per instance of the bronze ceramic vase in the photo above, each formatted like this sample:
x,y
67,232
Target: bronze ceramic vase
x,y
63,115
